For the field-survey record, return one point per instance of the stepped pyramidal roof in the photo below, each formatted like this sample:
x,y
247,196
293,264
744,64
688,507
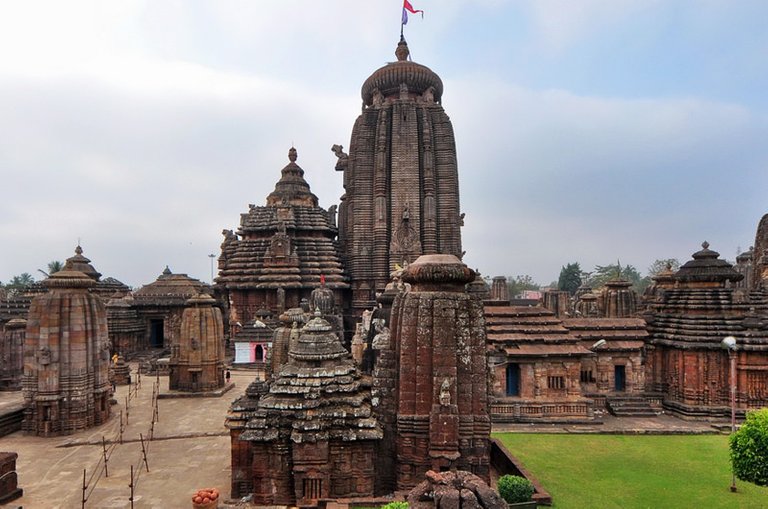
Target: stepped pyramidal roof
x,y
289,243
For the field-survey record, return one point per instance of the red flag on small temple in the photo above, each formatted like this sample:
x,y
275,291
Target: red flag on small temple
x,y
407,7
322,279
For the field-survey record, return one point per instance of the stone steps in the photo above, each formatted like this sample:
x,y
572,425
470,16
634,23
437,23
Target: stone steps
x,y
629,406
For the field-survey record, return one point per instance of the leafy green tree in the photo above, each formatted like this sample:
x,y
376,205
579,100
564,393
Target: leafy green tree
x,y
604,273
661,265
570,278
519,284
54,266
18,283
749,448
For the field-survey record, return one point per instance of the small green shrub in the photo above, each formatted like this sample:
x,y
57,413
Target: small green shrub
x,y
749,448
395,505
514,488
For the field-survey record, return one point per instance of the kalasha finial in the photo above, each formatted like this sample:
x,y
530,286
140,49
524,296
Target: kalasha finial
x,y
402,51
705,244
292,154
78,250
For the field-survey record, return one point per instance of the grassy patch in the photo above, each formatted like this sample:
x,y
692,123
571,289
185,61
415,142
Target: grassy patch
x,y
630,471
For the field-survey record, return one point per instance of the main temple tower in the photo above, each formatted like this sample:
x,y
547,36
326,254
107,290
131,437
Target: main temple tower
x,y
401,181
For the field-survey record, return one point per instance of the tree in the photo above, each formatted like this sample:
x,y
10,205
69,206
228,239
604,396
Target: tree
x,y
749,448
659,266
604,273
519,284
54,267
570,278
19,282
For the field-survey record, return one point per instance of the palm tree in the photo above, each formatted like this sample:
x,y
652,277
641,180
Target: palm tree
x,y
55,266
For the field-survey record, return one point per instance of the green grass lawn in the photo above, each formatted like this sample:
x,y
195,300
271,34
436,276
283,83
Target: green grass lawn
x,y
631,471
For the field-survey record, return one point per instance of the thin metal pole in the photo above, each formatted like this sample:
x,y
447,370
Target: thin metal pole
x,y
144,451
84,488
130,485
121,427
104,448
732,356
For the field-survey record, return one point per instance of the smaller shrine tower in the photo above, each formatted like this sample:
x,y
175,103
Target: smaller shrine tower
x,y
441,396
197,361
66,358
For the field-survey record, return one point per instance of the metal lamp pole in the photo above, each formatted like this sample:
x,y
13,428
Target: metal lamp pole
x,y
729,343
212,256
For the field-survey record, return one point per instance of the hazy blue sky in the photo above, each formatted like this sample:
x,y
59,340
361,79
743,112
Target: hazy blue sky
x,y
587,130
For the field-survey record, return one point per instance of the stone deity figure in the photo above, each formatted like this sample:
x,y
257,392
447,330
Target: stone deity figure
x,y
343,158
445,393
382,338
44,356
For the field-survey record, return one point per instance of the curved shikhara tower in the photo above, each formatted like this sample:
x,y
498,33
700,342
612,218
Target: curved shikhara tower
x,y
401,181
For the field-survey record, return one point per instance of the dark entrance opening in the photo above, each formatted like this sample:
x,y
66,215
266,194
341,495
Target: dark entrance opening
x,y
259,353
513,379
619,378
156,334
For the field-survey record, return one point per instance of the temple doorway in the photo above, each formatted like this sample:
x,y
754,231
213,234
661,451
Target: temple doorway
x,y
259,353
513,379
156,333
619,378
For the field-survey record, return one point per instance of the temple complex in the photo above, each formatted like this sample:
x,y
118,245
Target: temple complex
x,y
66,357
281,252
197,359
686,361
401,190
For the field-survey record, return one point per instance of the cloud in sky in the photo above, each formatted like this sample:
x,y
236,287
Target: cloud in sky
x,y
145,128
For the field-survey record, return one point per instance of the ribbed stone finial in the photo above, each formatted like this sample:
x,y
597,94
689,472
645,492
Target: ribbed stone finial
x,y
167,271
705,244
292,155
78,250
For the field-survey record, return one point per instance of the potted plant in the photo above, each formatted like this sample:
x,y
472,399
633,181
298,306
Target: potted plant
x,y
516,491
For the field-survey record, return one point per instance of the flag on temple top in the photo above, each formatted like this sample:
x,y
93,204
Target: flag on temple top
x,y
407,7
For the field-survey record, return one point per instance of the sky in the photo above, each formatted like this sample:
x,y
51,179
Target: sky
x,y
587,131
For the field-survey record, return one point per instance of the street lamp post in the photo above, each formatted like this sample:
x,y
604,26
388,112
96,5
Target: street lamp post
x,y
212,256
729,343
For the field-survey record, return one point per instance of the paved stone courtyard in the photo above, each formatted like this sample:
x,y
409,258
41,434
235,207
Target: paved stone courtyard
x,y
190,450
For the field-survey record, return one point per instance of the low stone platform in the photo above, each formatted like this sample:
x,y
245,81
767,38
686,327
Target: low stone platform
x,y
11,412
204,394
664,424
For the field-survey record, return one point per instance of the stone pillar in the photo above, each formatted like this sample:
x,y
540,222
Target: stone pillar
x,y
500,291
442,378
559,302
